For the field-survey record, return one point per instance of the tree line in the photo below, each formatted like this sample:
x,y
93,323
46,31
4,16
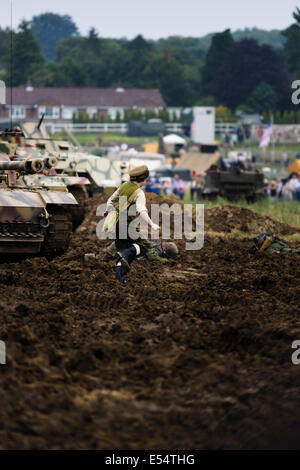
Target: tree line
x,y
235,72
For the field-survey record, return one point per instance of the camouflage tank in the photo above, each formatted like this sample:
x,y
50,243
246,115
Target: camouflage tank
x,y
33,221
103,174
13,143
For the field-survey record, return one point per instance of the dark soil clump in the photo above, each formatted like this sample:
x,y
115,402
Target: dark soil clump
x,y
190,354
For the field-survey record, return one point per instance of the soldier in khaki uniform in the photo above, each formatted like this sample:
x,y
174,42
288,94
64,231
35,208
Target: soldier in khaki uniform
x,y
127,248
157,250
267,243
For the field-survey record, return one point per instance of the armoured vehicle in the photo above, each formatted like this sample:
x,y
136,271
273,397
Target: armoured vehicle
x,y
231,179
101,173
141,129
33,221
13,142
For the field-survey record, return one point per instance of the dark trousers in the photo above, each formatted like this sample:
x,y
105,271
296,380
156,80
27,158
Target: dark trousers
x,y
122,243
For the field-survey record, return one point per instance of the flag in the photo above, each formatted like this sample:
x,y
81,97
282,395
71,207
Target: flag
x,y
266,137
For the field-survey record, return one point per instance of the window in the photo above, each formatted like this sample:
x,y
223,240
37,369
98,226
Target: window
x,y
114,111
67,112
50,112
17,112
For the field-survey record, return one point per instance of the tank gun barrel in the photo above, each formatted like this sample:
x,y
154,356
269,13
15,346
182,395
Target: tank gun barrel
x,y
49,162
27,166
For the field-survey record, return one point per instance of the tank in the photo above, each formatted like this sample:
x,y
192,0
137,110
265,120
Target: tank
x,y
49,179
101,173
231,180
33,221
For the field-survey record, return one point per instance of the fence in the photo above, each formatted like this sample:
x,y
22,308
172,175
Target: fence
x,y
119,128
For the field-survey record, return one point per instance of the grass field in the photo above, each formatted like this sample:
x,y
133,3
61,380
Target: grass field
x,y
90,139
285,211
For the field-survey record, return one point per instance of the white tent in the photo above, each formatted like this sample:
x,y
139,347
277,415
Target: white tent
x,y
174,139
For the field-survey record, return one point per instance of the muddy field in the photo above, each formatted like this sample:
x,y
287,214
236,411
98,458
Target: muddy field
x,y
190,354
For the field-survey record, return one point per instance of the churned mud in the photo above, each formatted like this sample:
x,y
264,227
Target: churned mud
x,y
190,354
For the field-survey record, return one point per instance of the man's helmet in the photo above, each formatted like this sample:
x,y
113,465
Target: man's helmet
x,y
170,249
261,242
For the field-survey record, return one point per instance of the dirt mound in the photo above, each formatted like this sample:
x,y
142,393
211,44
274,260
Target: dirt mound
x,y
219,219
169,200
228,218
191,354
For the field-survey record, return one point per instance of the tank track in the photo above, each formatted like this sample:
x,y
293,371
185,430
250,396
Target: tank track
x,y
58,234
78,213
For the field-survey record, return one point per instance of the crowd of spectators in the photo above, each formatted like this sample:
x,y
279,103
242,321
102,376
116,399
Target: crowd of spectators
x,y
175,185
288,190
239,136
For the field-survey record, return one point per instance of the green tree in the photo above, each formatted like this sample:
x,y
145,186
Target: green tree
x,y
224,114
118,117
244,69
292,45
140,52
26,56
277,117
263,97
285,117
220,46
150,114
94,42
4,43
266,116
49,28
73,72
206,101
163,114
167,75
291,117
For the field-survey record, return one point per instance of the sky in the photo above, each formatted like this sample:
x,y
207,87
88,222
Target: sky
x,y
158,18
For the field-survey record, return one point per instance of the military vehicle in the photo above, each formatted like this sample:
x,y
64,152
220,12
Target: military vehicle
x,y
146,129
33,221
101,173
230,179
13,142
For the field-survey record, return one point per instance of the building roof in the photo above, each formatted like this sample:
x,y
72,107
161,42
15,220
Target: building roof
x,y
87,96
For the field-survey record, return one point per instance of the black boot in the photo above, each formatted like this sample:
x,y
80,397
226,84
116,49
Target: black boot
x,y
121,273
127,256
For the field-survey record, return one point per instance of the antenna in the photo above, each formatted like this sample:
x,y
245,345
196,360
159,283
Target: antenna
x,y
40,121
11,59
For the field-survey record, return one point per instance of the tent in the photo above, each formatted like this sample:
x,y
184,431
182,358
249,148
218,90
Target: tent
x,y
173,139
198,162
294,167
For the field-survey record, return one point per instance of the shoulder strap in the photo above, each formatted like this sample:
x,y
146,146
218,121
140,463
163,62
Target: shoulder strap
x,y
134,195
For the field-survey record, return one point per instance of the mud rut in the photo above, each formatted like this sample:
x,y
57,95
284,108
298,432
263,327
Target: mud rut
x,y
192,354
